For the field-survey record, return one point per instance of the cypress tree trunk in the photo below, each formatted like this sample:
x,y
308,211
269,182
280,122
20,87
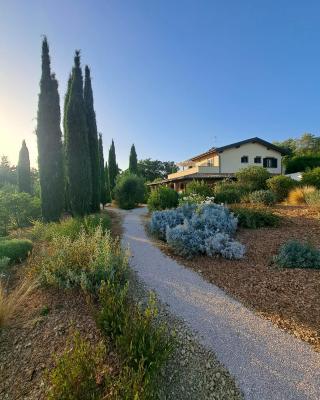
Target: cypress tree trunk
x,y
50,156
103,192
76,145
113,167
133,161
23,169
92,141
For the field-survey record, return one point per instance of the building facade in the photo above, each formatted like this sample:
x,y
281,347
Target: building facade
x,y
223,162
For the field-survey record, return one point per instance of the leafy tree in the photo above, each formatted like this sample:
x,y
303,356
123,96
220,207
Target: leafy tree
x,y
24,177
302,163
253,177
151,170
78,167
113,167
92,141
129,191
50,156
103,189
8,173
133,161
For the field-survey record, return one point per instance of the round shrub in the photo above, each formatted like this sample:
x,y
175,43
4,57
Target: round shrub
x,y
311,177
254,218
254,177
129,191
200,188
281,185
294,254
15,249
163,198
262,197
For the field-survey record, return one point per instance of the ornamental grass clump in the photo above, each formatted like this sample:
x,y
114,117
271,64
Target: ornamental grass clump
x,y
83,262
196,229
294,254
298,196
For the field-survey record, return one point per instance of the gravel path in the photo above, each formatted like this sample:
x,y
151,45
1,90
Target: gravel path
x,y
266,362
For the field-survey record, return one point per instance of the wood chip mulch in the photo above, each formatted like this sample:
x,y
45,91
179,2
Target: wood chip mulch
x,y
31,341
290,298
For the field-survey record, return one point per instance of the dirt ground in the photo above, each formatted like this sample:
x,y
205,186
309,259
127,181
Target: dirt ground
x,y
290,298
39,332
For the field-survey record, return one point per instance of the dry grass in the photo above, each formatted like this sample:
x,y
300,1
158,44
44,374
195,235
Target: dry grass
x,y
297,196
11,301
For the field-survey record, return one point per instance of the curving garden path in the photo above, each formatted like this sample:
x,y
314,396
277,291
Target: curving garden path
x,y
267,363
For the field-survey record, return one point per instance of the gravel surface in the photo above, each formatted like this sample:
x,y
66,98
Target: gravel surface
x,y
192,371
266,362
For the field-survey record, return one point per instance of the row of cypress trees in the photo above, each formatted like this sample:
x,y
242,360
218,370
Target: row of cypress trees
x,y
72,173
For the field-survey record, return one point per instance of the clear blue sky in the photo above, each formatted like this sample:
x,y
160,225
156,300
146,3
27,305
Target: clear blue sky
x,y
174,77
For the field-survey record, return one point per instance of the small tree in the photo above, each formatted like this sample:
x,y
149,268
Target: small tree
x,y
113,167
129,191
133,161
254,177
24,177
311,177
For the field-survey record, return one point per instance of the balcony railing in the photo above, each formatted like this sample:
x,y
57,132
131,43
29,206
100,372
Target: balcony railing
x,y
194,170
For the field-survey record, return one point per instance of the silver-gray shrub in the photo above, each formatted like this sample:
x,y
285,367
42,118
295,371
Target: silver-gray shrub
x,y
203,229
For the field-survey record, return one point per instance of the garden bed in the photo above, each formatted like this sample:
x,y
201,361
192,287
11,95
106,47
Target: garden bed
x,y
39,331
288,298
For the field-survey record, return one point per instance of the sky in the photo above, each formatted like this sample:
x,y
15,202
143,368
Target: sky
x,y
174,77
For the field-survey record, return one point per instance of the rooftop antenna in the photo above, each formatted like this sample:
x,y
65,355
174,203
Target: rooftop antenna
x,y
214,141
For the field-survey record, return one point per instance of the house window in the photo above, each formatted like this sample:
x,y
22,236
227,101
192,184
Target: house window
x,y
244,159
257,160
270,162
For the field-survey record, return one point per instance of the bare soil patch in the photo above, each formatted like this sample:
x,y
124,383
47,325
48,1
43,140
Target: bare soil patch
x,y
29,343
290,298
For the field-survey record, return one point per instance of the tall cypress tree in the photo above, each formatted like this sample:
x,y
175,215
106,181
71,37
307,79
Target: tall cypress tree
x,y
50,156
66,100
133,161
106,175
103,192
23,169
92,141
113,167
76,145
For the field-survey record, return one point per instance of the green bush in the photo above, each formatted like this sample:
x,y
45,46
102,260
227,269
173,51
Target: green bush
x,y
313,198
254,177
143,345
200,188
229,192
129,191
163,198
302,163
15,249
74,376
311,178
281,185
255,218
262,197
83,262
70,227
294,254
17,210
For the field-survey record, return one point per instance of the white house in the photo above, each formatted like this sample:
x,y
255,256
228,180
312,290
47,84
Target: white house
x,y
223,162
